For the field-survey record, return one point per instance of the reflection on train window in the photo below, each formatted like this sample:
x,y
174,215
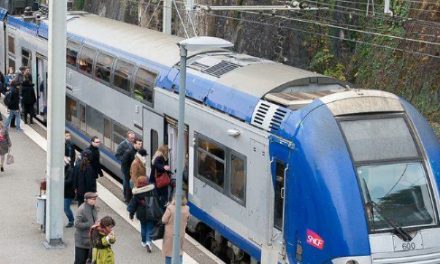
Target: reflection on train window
x,y
144,85
107,133
11,44
85,62
119,133
122,75
103,67
238,176
82,115
71,111
26,58
210,161
279,199
72,53
211,147
95,122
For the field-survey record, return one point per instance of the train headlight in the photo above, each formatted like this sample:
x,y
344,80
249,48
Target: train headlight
x,y
352,262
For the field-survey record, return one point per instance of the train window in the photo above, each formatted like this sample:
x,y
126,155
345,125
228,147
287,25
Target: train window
x,y
144,85
392,139
11,44
103,67
72,53
26,58
95,122
107,133
154,141
211,161
119,133
238,176
85,62
71,111
122,75
279,195
82,116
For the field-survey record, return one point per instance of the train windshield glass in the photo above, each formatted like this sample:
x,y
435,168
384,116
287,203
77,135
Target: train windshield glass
x,y
390,171
400,193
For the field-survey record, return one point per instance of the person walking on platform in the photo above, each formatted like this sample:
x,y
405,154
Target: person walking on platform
x,y
69,149
95,156
13,104
5,144
85,218
84,177
168,220
138,167
28,99
159,166
138,205
102,237
69,193
127,159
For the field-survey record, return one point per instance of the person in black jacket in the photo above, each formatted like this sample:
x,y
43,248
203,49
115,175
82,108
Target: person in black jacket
x,y
69,193
127,159
95,156
84,177
13,106
160,165
28,100
69,149
138,205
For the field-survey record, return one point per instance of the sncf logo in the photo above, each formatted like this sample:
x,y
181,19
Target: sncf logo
x,y
314,240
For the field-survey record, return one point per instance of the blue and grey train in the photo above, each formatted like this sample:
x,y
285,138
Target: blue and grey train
x,y
284,165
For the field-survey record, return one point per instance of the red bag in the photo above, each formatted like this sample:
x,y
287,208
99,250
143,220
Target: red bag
x,y
162,179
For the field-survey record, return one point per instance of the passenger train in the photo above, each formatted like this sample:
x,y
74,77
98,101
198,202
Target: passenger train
x,y
285,165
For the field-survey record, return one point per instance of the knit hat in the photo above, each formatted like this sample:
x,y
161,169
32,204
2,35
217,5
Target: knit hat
x,y
141,182
90,195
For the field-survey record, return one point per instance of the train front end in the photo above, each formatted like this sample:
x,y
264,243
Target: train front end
x,y
363,183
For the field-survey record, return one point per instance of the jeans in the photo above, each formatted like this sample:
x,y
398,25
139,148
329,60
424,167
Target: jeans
x,y
67,210
146,230
13,113
168,260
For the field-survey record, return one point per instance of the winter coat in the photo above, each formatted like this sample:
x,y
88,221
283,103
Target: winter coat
x,y
168,220
102,252
94,160
69,151
138,205
28,94
69,190
85,217
5,142
158,165
122,148
137,168
84,181
127,159
15,99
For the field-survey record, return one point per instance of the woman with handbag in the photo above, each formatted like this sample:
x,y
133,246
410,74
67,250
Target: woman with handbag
x,y
5,145
159,175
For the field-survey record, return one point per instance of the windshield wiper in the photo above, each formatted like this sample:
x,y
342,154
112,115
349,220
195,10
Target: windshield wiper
x,y
398,230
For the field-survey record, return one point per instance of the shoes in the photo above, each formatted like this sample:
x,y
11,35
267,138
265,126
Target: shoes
x,y
70,224
148,246
144,244
1,169
19,130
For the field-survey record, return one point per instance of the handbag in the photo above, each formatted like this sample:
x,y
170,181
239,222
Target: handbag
x,y
9,159
162,179
158,232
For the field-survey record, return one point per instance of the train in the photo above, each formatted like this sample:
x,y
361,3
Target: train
x,y
284,165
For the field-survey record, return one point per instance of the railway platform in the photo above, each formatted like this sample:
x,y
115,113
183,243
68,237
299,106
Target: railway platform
x,y
21,238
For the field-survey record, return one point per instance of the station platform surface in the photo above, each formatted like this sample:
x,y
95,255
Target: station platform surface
x,y
21,238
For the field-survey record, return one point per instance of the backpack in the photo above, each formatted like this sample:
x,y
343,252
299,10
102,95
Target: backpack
x,y
8,98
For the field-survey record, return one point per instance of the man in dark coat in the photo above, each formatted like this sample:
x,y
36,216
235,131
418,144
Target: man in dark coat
x,y
28,100
95,156
127,159
122,148
69,193
84,177
13,106
69,149
85,217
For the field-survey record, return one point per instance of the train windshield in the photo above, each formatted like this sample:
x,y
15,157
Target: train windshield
x,y
390,171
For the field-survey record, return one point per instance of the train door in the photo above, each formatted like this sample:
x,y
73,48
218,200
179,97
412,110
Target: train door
x,y
171,125
10,44
41,86
152,124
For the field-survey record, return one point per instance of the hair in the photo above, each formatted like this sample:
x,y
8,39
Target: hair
x,y
130,132
66,132
136,140
141,181
143,152
162,150
84,162
184,200
94,138
107,221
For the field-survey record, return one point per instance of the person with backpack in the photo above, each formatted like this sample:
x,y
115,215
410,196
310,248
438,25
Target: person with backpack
x,y
85,218
12,101
102,237
139,206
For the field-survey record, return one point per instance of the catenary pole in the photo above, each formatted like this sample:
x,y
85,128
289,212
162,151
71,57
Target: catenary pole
x,y
56,121
167,14
180,153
